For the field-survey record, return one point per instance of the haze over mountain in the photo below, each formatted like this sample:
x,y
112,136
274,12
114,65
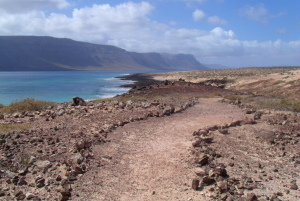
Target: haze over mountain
x,y
42,53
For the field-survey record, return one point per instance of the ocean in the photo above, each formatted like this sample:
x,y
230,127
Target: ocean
x,y
61,86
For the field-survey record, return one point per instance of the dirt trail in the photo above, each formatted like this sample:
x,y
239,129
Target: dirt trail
x,y
150,160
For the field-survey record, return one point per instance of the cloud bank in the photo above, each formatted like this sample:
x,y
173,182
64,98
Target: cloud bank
x,y
129,26
17,6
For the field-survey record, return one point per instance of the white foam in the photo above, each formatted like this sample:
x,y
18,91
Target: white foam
x,y
106,96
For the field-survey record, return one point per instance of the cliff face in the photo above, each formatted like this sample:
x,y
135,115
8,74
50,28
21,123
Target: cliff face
x,y
35,53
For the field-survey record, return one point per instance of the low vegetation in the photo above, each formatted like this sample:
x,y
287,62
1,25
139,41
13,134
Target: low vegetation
x,y
233,97
26,105
267,102
15,127
293,105
272,88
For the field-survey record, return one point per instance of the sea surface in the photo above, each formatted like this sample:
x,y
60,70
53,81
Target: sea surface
x,y
61,86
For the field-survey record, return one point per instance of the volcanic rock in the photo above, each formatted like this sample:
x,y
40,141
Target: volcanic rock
x,y
251,197
40,182
195,184
20,195
78,101
208,180
200,171
294,187
203,160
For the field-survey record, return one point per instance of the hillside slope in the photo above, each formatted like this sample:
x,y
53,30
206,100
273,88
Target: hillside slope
x,y
29,53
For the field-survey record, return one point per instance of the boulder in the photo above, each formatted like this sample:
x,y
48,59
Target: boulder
x,y
235,123
177,109
16,115
166,82
186,105
9,174
167,111
83,144
40,182
20,195
223,186
22,181
221,171
200,171
30,196
78,101
77,158
223,131
294,186
195,184
202,141
60,112
248,121
251,197
203,160
203,132
208,180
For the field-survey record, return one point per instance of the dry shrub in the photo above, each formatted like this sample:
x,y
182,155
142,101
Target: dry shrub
x,y
26,105
8,128
293,105
233,97
275,103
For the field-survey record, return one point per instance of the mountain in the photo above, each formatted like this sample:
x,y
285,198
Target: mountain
x,y
42,53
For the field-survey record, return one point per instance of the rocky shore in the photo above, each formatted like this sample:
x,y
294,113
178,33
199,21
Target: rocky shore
x,y
50,154
140,80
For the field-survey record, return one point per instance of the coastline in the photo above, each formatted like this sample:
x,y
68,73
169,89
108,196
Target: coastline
x,y
52,86
200,131
139,79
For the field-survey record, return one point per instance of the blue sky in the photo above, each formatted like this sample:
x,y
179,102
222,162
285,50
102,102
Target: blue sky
x,y
234,33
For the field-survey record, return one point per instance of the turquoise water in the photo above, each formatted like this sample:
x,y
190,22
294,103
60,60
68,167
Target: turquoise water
x,y
60,86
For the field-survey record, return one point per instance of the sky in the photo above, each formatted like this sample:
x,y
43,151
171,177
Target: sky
x,y
233,33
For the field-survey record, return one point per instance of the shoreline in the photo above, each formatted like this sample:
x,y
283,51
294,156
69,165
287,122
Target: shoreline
x,y
109,85
139,79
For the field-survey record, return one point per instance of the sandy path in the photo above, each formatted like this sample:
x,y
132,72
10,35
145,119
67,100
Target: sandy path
x,y
149,160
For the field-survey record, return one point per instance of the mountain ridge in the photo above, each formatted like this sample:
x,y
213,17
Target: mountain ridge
x,y
44,53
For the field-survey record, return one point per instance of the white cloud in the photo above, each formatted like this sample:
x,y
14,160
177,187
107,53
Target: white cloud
x,y
216,20
282,31
198,15
257,13
17,6
128,26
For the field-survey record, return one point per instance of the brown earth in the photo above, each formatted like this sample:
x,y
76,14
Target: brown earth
x,y
167,141
150,160
276,81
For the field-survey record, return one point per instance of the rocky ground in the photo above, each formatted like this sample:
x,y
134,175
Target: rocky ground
x,y
276,81
168,141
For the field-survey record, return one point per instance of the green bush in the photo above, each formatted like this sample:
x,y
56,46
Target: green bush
x,y
25,105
